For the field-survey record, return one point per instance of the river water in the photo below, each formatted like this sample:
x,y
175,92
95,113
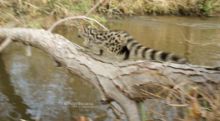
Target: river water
x,y
33,88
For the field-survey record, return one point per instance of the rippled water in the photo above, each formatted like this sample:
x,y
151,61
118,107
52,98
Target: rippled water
x,y
34,88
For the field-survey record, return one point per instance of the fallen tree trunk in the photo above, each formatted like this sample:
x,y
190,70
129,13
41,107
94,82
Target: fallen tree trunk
x,y
124,82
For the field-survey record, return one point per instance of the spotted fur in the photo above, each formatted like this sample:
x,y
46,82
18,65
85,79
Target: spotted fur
x,y
121,43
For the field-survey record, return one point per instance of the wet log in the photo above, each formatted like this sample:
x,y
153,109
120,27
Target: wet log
x,y
122,82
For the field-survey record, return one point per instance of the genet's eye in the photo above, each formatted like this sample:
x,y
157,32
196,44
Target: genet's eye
x,y
79,36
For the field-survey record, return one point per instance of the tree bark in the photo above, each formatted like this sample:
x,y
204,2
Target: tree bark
x,y
118,81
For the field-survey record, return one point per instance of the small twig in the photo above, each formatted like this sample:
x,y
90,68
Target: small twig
x,y
144,92
36,7
94,7
74,18
203,44
31,5
22,120
5,43
14,18
198,44
4,3
177,105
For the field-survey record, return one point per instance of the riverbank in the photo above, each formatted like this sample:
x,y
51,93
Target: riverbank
x,y
42,13
165,7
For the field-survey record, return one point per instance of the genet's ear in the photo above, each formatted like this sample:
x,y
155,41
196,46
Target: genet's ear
x,y
86,29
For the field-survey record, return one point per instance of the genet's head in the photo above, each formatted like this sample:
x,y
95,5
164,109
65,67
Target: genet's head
x,y
87,33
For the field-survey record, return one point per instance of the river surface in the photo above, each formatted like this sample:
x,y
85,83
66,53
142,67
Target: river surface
x,y
33,88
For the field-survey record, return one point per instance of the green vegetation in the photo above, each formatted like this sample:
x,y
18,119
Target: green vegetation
x,y
210,7
42,13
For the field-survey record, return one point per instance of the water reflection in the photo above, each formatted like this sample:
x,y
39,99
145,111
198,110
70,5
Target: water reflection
x,y
12,106
46,92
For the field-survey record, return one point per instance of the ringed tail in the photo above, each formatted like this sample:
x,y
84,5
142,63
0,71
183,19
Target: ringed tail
x,y
138,50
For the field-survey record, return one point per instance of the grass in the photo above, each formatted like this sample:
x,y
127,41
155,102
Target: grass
x,y
40,13
168,7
